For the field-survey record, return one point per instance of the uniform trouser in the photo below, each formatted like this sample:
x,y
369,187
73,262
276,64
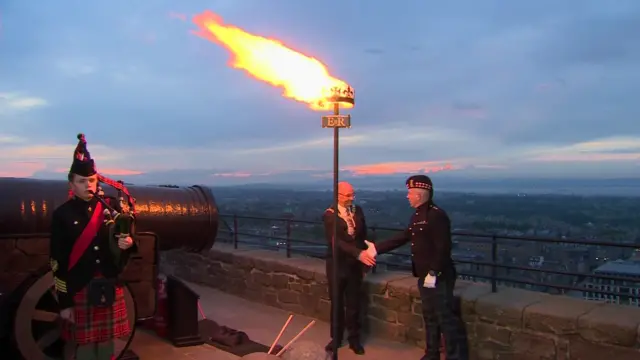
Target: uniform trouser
x,y
440,318
100,351
348,300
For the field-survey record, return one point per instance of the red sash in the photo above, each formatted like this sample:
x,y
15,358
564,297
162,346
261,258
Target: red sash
x,y
87,236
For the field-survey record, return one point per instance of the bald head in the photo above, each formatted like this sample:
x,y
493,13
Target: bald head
x,y
346,194
344,187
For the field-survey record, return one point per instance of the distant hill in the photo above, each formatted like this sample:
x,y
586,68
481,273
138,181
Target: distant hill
x,y
443,181
614,187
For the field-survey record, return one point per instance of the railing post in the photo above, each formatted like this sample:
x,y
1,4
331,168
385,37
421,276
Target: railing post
x,y
288,238
494,259
374,238
235,231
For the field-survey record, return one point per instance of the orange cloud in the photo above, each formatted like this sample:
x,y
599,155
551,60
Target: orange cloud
x,y
119,172
21,169
399,168
107,171
588,157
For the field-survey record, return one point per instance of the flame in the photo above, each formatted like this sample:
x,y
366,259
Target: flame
x,y
302,78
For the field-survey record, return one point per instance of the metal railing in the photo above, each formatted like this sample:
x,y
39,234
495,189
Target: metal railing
x,y
497,274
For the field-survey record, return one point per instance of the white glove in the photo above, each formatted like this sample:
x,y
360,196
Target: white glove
x,y
371,248
430,282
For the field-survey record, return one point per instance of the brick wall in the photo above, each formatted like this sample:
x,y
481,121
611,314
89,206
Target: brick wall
x,y
509,324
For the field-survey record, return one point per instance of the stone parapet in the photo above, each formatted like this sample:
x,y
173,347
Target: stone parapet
x,y
509,324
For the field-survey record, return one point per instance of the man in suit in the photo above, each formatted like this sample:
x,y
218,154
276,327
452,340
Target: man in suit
x,y
353,262
429,232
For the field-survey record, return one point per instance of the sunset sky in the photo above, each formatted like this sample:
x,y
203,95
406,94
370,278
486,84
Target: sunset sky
x,y
476,88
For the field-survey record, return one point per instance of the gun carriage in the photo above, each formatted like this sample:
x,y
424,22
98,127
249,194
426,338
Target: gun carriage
x,y
166,217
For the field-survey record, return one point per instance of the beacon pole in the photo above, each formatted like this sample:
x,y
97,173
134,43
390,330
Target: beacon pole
x,y
337,121
334,244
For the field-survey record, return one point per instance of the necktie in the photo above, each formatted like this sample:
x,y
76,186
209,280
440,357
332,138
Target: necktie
x,y
350,223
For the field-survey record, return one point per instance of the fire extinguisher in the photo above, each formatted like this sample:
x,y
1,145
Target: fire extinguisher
x,y
160,318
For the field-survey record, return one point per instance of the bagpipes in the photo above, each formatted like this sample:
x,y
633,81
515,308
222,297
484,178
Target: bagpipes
x,y
118,222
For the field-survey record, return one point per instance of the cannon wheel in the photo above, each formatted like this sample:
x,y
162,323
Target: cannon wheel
x,y
36,329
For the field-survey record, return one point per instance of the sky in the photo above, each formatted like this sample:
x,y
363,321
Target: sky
x,y
475,89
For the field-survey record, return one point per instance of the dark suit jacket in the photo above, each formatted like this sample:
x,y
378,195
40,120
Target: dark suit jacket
x,y
349,247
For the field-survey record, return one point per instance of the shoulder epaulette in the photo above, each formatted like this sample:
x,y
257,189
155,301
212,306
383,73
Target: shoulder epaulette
x,y
54,264
60,286
329,210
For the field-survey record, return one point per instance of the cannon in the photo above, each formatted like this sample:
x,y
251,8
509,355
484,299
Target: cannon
x,y
168,217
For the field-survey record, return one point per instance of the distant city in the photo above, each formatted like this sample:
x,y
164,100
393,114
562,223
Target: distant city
x,y
610,218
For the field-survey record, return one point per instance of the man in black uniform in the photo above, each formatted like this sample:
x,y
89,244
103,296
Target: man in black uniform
x,y
86,259
353,262
430,234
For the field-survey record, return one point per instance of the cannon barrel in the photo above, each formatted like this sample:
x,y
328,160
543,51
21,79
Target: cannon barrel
x,y
182,217
168,217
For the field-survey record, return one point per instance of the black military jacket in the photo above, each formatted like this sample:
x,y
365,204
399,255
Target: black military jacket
x,y
67,223
349,247
430,234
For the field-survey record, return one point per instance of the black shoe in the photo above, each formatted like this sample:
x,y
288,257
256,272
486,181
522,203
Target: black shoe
x,y
429,357
356,347
329,347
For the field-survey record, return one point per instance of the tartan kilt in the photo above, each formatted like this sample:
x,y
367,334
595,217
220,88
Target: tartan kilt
x,y
97,324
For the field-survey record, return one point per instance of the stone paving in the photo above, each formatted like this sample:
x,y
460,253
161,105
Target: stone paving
x,y
262,323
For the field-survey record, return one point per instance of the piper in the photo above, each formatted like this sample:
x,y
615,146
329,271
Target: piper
x,y
87,256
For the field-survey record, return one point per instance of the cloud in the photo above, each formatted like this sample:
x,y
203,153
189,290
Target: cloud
x,y
108,171
20,168
178,16
58,152
119,172
471,110
324,142
233,175
9,139
13,101
19,156
622,149
399,168
486,86
593,157
76,67
489,166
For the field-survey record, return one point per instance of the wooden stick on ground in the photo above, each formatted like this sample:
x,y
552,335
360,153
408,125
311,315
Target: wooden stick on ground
x,y
296,338
201,312
280,335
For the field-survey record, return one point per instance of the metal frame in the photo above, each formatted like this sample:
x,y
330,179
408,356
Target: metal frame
x,y
491,239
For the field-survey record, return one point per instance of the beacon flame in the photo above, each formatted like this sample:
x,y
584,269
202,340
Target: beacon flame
x,y
301,77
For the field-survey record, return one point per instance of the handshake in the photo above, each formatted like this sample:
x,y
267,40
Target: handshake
x,y
368,257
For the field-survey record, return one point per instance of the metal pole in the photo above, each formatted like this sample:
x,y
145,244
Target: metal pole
x,y
334,288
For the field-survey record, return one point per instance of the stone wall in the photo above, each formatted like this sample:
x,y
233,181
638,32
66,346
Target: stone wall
x,y
19,258
509,324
